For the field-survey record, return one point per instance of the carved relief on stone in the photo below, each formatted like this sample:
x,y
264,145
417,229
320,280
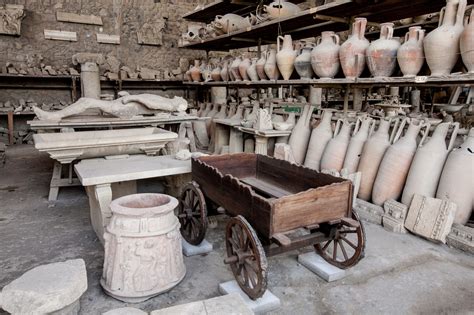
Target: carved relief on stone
x,y
263,120
394,217
151,33
10,19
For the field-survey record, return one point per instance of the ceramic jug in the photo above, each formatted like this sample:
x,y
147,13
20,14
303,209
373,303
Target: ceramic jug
x,y
356,144
195,72
372,154
303,62
299,137
271,69
234,69
205,71
428,163
442,44
252,70
260,66
281,9
320,137
381,55
230,23
243,66
335,152
457,179
466,43
225,71
325,56
352,52
216,74
286,56
396,163
410,55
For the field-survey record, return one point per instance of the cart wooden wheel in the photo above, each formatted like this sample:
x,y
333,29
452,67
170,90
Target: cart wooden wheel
x,y
347,246
192,214
246,257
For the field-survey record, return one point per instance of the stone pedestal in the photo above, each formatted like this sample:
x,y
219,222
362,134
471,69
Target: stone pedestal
x,y
261,145
236,141
90,78
393,219
143,255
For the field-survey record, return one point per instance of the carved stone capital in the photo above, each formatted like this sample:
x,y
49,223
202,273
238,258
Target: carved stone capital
x,y
10,19
81,58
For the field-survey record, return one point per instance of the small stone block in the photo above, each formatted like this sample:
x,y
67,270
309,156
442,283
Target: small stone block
x,y
268,302
461,237
393,225
322,268
369,212
125,311
191,250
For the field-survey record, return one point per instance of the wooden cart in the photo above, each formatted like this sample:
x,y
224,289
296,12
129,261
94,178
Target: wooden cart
x,y
286,205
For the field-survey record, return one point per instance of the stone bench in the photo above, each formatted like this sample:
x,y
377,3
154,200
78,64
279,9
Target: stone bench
x,y
109,178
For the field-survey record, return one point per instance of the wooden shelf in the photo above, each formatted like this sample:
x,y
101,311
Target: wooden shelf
x,y
15,81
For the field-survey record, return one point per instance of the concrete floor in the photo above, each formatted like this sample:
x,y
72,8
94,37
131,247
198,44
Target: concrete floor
x,y
400,274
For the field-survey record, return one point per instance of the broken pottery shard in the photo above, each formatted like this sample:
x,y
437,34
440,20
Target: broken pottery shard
x,y
430,217
46,289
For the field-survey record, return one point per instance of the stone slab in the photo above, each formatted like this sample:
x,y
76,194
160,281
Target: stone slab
x,y
268,302
322,268
125,311
78,18
191,250
108,39
60,35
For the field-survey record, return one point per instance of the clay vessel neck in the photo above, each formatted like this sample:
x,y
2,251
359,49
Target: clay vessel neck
x,y
358,28
386,30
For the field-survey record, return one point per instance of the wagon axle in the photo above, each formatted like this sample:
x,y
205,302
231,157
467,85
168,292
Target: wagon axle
x,y
239,257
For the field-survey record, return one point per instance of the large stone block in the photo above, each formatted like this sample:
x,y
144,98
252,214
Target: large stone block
x,y
319,266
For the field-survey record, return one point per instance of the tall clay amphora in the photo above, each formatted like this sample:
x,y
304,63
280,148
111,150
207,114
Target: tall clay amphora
x,y
356,144
442,44
371,156
428,163
335,152
206,110
467,43
195,72
352,52
382,53
271,69
300,135
457,179
260,66
303,62
225,71
320,137
286,56
252,70
396,163
325,56
411,56
234,69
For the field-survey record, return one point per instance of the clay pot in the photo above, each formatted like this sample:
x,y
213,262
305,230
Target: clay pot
x,y
230,22
281,9
442,44
216,74
286,56
234,69
371,157
382,53
252,70
320,137
456,179
271,69
205,71
303,62
325,56
243,66
195,72
410,55
260,66
428,163
466,43
299,137
356,144
335,152
352,52
225,72
396,163
187,75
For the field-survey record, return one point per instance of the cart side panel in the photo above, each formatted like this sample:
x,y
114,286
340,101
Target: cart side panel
x,y
238,165
314,206
291,177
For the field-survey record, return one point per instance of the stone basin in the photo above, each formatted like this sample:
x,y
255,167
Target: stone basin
x,y
69,146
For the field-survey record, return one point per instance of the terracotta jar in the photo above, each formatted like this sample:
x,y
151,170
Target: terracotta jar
x,y
216,74
325,56
371,156
271,69
396,163
234,69
260,66
442,44
195,72
410,55
335,152
286,56
303,62
299,137
230,23
320,137
143,255
382,53
356,144
352,52
225,71
467,43
243,66
205,71
428,163
252,70
187,75
456,182
281,9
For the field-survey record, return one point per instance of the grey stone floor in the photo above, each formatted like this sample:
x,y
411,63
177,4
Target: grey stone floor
x,y
401,274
